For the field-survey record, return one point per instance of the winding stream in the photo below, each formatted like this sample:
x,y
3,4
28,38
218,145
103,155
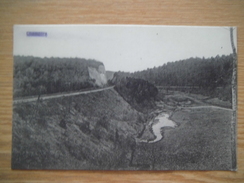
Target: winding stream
x,y
162,120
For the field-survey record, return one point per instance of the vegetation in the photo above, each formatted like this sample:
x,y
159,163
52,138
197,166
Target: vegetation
x,y
201,140
205,143
212,75
101,130
36,76
90,131
137,92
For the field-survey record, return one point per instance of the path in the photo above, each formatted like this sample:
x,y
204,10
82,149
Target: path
x,y
51,96
208,106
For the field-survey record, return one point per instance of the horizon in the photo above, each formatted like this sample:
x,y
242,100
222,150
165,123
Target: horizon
x,y
122,47
119,70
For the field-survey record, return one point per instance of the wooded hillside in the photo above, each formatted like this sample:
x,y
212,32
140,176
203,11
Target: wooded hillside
x,y
212,75
138,93
35,76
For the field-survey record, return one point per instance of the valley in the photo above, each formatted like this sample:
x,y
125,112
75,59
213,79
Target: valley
x,y
101,129
70,113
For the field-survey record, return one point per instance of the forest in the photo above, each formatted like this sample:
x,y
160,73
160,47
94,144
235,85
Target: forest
x,y
212,75
35,76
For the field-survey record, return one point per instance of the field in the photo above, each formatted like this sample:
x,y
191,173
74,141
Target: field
x,y
99,131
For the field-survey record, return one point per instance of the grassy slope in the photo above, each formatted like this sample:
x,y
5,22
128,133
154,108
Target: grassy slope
x,y
201,141
98,130
81,132
204,143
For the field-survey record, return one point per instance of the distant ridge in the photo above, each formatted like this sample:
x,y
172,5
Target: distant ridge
x,y
110,75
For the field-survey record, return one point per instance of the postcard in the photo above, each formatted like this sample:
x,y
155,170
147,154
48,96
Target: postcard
x,y
124,97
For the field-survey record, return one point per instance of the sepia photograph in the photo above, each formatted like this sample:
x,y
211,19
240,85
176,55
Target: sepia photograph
x,y
124,97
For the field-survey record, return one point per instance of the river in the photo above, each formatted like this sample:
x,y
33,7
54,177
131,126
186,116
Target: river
x,y
159,122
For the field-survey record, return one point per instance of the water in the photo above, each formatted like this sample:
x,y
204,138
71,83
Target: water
x,y
159,122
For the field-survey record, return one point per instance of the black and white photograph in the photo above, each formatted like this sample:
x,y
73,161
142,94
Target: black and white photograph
x,y
124,97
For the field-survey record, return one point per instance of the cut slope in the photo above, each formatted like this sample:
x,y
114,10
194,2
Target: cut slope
x,y
99,75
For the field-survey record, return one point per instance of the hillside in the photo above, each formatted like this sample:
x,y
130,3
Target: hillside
x,y
36,76
90,131
110,129
102,131
212,75
139,93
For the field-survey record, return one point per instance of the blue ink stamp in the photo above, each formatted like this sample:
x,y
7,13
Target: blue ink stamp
x,y
36,34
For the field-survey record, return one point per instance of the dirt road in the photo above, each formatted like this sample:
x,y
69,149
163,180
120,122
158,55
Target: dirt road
x,y
57,95
208,106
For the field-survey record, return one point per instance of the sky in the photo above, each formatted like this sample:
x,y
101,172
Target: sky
x,y
123,47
